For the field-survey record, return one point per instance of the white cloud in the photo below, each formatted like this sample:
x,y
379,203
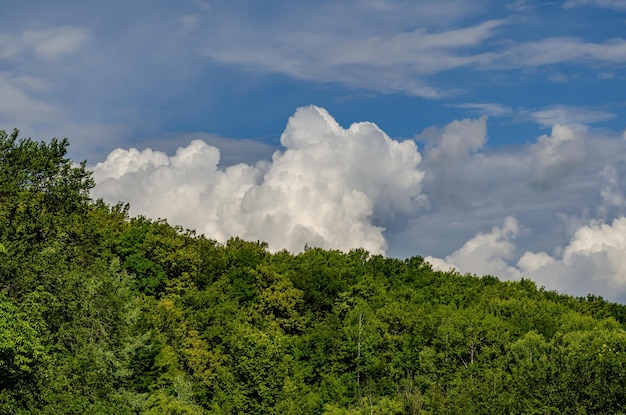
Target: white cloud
x,y
123,162
492,109
592,262
456,140
555,50
392,46
356,187
569,115
612,193
563,247
447,154
485,253
374,57
557,155
568,180
472,186
232,150
610,4
327,188
575,116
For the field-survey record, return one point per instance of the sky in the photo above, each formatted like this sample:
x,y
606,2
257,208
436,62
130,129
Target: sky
x,y
486,136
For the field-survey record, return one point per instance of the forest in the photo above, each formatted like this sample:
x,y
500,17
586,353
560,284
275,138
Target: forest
x,y
103,313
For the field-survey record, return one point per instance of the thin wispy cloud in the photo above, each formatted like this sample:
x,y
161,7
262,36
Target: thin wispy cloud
x,y
19,102
561,114
387,62
609,4
487,108
53,43
399,59
552,51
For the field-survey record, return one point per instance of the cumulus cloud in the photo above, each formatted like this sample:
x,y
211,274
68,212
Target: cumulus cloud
x,y
552,211
447,155
534,205
557,155
593,261
485,253
329,187
612,193
471,186
456,140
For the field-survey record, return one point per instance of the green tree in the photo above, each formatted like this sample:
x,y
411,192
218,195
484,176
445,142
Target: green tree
x,y
22,355
39,186
44,197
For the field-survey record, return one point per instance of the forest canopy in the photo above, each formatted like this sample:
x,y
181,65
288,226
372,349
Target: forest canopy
x,y
105,313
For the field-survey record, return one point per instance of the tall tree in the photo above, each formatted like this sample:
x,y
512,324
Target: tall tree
x,y
43,195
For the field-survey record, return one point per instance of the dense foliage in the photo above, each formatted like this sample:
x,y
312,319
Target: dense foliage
x,y
103,313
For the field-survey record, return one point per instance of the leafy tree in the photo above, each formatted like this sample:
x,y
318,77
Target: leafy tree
x,y
43,196
40,187
22,354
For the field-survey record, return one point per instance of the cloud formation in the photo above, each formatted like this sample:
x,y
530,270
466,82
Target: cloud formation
x,y
552,210
593,260
330,187
557,155
484,254
572,204
389,61
401,47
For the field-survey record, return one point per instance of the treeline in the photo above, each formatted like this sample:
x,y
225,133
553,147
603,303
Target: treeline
x,y
101,313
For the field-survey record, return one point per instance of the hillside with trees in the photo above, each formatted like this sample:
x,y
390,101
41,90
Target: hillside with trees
x,y
104,313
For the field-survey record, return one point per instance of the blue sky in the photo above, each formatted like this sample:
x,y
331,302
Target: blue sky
x,y
501,146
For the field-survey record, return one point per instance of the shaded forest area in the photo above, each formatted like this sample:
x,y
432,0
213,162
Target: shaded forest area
x,y
103,313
